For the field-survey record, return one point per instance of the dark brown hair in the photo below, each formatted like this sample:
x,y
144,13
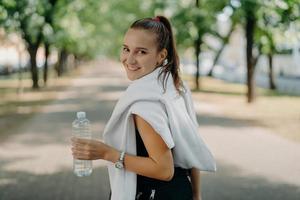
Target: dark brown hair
x,y
161,26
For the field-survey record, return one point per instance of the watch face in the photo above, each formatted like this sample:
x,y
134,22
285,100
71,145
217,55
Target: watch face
x,y
119,165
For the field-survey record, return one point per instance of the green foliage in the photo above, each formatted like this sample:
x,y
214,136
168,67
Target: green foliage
x,y
117,17
273,18
191,22
87,28
23,16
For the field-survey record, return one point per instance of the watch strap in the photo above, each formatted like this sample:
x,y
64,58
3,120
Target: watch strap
x,y
122,156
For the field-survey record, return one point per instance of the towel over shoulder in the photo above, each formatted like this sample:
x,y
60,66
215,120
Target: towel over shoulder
x,y
170,114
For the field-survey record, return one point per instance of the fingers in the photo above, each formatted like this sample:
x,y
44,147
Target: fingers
x,y
83,149
81,143
87,149
84,154
79,148
77,140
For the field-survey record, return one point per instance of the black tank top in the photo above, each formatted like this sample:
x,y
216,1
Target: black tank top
x,y
143,181
178,188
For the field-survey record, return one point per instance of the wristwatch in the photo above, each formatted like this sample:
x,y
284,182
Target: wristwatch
x,y
120,163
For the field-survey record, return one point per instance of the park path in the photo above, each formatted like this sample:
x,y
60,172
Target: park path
x,y
36,162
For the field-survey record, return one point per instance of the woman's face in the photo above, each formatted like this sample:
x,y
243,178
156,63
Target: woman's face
x,y
139,54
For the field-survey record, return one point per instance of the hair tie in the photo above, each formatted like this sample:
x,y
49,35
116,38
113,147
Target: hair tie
x,y
156,19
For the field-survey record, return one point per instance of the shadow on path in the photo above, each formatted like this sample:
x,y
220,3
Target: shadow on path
x,y
228,183
63,185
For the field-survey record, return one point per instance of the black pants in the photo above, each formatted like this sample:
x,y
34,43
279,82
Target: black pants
x,y
179,188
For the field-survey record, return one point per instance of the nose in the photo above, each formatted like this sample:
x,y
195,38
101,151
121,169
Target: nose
x,y
131,59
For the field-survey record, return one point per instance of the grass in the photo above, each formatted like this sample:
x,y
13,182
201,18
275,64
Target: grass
x,y
271,109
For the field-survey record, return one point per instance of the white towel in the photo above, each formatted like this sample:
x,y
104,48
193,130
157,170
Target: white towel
x,y
172,116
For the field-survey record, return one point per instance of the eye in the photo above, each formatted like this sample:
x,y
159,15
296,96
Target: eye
x,y
125,49
142,52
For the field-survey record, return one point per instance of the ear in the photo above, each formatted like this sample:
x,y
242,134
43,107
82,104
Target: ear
x,y
162,55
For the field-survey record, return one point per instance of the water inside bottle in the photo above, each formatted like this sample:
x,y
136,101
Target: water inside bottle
x,y
81,129
82,168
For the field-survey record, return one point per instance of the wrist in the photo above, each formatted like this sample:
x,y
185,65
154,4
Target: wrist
x,y
111,155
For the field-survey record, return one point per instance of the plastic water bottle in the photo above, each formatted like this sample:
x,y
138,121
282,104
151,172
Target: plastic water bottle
x,y
81,129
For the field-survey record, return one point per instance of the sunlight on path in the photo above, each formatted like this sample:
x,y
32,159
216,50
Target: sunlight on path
x,y
256,152
42,145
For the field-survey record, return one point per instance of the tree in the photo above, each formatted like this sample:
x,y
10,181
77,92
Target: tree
x,y
249,8
224,42
48,34
26,17
193,22
267,47
258,20
274,20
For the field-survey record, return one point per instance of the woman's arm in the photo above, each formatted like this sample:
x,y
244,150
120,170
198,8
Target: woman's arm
x,y
195,179
158,165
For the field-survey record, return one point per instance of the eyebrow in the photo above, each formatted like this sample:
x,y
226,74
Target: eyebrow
x,y
141,48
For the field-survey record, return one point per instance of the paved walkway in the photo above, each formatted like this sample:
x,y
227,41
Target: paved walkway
x,y
36,162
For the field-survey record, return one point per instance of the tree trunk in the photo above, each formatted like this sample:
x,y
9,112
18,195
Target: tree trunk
x,y
197,52
77,61
45,73
20,71
216,59
250,25
32,49
62,62
224,42
271,74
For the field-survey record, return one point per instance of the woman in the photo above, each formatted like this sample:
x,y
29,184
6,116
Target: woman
x,y
151,139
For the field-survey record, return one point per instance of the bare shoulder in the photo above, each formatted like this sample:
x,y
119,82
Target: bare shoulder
x,y
142,125
149,136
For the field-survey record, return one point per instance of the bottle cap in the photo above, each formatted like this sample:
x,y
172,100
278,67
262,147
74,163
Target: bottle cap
x,y
81,115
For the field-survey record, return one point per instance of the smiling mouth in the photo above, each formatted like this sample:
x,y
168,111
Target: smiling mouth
x,y
133,68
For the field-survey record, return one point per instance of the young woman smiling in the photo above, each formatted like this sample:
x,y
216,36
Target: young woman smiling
x,y
151,139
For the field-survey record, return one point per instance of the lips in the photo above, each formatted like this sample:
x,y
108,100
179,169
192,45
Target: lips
x,y
132,68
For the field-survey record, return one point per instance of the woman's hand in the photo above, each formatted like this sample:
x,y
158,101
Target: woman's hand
x,y
88,149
